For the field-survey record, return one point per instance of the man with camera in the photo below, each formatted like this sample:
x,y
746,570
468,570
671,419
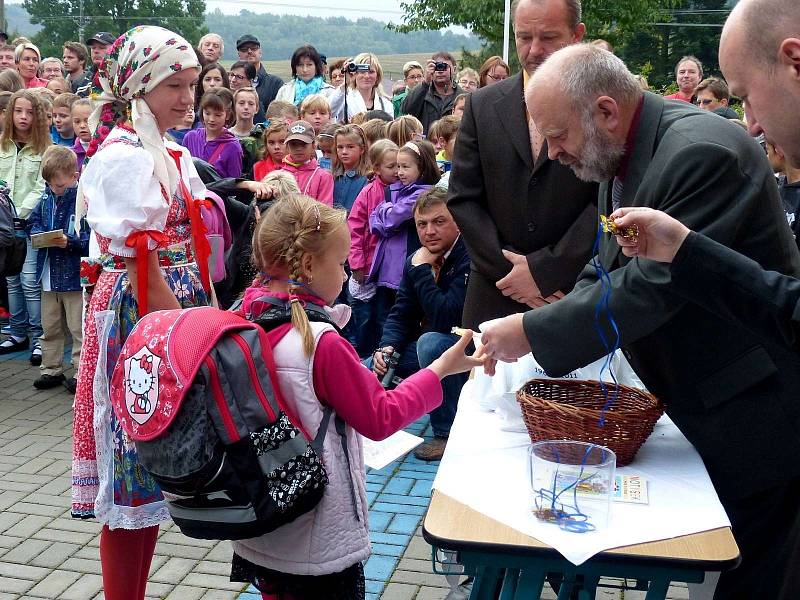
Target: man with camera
x,y
433,98
429,302
265,84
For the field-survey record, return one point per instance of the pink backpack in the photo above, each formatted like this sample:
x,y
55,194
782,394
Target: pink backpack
x,y
197,391
218,234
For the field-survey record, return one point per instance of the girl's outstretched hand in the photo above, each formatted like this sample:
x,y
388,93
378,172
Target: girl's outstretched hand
x,y
660,236
453,360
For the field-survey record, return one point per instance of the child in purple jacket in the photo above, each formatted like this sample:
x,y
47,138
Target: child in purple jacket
x,y
417,171
213,143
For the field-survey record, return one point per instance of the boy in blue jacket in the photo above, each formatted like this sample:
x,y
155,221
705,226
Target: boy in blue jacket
x,y
58,267
429,304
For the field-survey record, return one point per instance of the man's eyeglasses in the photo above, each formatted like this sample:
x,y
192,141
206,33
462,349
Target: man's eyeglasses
x,y
467,84
237,77
414,77
249,49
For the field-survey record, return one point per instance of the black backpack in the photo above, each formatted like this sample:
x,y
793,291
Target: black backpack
x,y
198,393
13,238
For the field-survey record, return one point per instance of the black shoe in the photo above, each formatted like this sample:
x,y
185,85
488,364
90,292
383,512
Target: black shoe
x,y
36,356
46,382
71,384
12,344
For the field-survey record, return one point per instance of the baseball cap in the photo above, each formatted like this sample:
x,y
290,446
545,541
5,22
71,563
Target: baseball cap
x,y
301,130
103,37
247,39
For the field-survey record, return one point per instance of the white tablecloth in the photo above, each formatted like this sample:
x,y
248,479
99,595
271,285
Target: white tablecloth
x,y
486,468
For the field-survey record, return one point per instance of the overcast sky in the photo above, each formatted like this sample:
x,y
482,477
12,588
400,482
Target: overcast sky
x,y
385,10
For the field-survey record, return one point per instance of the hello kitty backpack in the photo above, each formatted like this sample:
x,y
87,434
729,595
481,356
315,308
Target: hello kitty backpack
x,y
197,391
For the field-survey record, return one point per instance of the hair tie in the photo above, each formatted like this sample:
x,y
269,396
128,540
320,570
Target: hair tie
x,y
413,146
316,213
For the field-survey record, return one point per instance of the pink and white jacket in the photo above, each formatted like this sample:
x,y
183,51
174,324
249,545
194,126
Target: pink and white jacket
x,y
335,535
312,180
363,242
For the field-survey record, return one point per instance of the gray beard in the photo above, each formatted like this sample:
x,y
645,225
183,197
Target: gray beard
x,y
600,157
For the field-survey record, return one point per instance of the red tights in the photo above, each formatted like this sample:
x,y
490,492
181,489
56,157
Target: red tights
x,y
125,556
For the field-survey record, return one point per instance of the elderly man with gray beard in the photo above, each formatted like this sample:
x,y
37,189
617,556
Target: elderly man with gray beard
x,y
732,393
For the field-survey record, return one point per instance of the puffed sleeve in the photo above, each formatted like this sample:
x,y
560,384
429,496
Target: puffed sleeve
x,y
123,196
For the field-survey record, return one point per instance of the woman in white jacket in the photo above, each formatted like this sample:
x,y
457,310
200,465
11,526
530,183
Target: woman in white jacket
x,y
364,90
307,77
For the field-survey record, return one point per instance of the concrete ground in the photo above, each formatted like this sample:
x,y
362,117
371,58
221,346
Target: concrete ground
x,y
44,553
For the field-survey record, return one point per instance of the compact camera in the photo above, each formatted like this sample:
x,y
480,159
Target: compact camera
x,y
357,68
440,66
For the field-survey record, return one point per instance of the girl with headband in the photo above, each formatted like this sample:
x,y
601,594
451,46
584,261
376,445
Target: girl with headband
x,y
142,197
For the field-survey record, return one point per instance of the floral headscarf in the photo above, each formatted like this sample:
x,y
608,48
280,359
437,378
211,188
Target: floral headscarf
x,y
135,64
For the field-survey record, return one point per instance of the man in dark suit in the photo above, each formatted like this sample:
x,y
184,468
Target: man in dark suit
x,y
528,222
732,393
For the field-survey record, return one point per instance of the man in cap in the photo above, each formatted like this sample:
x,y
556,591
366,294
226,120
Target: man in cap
x,y
98,45
266,85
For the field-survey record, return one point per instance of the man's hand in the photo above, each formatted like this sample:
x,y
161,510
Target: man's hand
x,y
60,242
505,340
660,236
430,69
519,283
422,256
378,364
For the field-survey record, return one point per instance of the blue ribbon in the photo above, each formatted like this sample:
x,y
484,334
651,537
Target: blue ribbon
x,y
603,309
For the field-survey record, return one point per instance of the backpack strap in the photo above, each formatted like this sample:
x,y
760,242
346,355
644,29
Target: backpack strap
x,y
215,155
310,179
342,431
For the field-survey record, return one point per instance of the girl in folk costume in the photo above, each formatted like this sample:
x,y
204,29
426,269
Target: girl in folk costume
x,y
139,192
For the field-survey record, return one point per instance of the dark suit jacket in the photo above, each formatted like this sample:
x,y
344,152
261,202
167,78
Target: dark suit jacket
x,y
737,288
502,200
732,393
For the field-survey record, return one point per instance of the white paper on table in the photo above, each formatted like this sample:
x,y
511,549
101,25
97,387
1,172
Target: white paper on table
x,y
379,454
486,468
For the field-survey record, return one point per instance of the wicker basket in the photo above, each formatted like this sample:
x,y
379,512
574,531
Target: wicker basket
x,y
560,409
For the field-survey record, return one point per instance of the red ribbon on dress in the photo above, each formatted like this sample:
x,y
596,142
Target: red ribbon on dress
x,y
202,247
139,241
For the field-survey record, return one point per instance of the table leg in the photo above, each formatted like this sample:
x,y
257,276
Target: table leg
x,y
510,581
531,582
486,581
657,590
588,587
566,587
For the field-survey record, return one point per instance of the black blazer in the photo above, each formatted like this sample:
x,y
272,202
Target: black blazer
x,y
735,287
502,200
731,392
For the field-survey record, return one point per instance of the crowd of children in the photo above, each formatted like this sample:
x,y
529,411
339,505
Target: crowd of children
x,y
328,182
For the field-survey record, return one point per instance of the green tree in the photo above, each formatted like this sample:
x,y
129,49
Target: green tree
x,y
614,21
602,18
59,18
692,28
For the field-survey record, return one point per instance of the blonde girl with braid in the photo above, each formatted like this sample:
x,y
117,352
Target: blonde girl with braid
x,y
300,247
